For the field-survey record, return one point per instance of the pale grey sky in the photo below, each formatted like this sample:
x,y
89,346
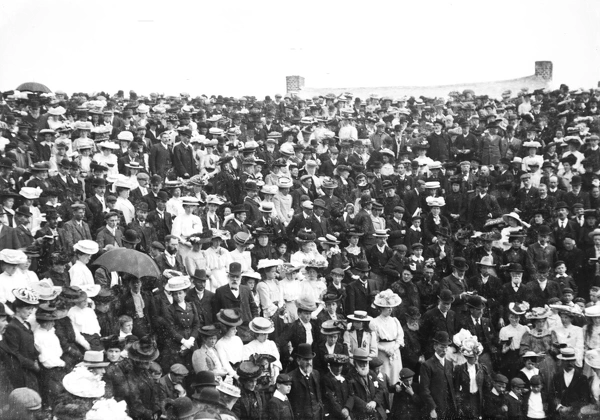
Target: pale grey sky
x,y
240,47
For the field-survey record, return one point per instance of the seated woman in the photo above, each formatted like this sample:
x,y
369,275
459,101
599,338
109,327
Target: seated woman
x,y
261,328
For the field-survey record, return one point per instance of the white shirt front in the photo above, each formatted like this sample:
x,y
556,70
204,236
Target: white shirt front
x,y
535,410
472,378
308,328
48,345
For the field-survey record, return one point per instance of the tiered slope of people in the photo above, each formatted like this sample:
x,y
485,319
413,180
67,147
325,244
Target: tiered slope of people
x,y
334,257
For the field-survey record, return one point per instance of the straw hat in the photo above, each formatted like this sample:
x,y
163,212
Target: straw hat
x,y
226,387
26,295
267,263
87,247
360,316
592,311
94,359
592,358
230,317
178,283
518,308
260,325
305,303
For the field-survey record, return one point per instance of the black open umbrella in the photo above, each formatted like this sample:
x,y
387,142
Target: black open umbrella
x,y
33,87
128,261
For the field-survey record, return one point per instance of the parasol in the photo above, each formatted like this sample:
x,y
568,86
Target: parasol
x,y
128,261
33,87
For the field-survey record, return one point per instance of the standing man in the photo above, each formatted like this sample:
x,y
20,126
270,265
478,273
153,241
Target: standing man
x,y
201,298
482,206
438,319
235,295
437,389
183,156
76,229
160,156
305,397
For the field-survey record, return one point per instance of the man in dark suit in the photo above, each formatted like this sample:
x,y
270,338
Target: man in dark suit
x,y
364,223
302,330
159,161
456,283
305,396
22,219
301,220
132,159
111,234
235,295
481,328
570,387
201,298
440,318
60,181
76,229
170,259
8,237
368,396
306,188
538,291
482,206
488,287
358,293
266,221
413,198
97,204
183,156
338,398
562,226
320,223
144,230
513,291
152,197
160,219
436,380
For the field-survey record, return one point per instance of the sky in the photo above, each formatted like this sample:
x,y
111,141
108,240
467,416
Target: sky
x,y
239,48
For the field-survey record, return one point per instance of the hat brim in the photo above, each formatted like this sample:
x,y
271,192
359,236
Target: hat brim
x,y
230,323
256,331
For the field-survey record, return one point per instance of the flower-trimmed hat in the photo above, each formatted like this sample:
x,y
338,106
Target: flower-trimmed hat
x,y
518,308
336,359
538,313
305,236
26,295
144,350
387,299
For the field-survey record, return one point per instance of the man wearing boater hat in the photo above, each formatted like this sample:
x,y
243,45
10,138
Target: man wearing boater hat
x,y
570,387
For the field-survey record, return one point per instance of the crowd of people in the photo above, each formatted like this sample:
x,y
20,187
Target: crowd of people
x,y
332,257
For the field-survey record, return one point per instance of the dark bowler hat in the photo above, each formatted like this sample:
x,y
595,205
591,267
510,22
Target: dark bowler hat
x,y
460,264
305,351
24,211
475,302
446,296
442,337
235,268
204,378
131,237
362,266
199,275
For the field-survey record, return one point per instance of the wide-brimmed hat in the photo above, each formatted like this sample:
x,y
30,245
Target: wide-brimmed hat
x,y
260,325
567,353
538,313
267,263
329,239
513,215
94,359
208,331
475,302
487,261
305,236
336,359
228,388
592,311
331,327
45,290
518,308
26,295
471,347
144,350
360,316
531,355
304,351
248,370
13,256
175,284
49,312
182,407
305,303
230,317
83,383
592,358
361,354
387,299
87,246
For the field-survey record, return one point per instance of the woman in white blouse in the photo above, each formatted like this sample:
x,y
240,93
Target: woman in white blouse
x,y
79,273
389,333
230,346
12,277
186,225
592,360
262,327
290,287
283,200
123,204
217,261
360,336
567,333
107,158
510,339
271,296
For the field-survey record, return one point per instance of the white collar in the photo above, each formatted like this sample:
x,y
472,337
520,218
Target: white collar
x,y
279,395
442,360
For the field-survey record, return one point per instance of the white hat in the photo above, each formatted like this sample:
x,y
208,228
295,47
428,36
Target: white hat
x,y
284,182
214,199
592,358
125,136
261,325
189,201
87,246
226,387
266,263
108,145
269,189
387,299
143,108
81,382
91,290
591,311
13,256
123,183
31,193
178,283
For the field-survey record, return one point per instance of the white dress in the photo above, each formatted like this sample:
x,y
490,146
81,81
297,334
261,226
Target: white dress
x,y
572,336
390,337
84,320
110,161
230,351
184,226
291,292
217,262
126,207
7,283
271,297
